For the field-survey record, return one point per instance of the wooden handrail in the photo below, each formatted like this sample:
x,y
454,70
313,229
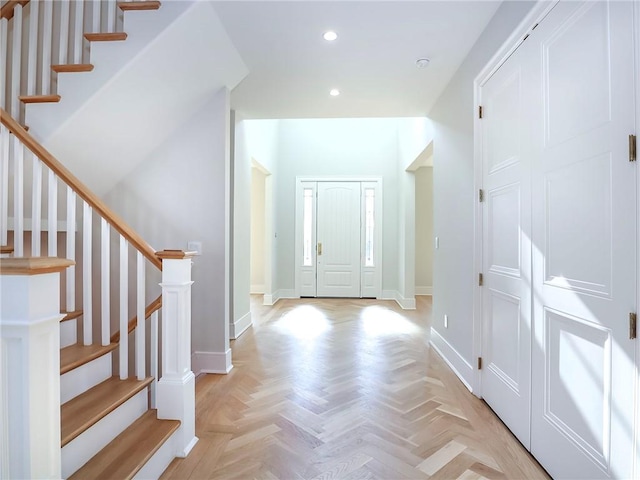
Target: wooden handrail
x,y
152,307
81,189
7,9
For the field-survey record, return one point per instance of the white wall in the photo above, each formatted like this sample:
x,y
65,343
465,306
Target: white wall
x,y
424,229
454,195
257,230
241,241
178,194
322,147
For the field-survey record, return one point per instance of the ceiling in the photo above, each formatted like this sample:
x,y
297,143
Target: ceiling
x,y
372,63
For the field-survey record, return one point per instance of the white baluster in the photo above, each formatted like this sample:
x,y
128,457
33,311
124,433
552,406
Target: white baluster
x,y
32,69
78,30
112,5
45,65
95,16
4,183
140,326
105,286
52,216
124,309
87,304
154,356
63,56
18,198
16,62
4,41
71,249
36,206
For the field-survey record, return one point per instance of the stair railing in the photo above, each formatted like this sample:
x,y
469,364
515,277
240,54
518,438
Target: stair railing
x,y
40,38
76,225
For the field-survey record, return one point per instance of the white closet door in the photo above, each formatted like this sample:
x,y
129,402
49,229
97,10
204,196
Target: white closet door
x,y
338,235
506,291
584,242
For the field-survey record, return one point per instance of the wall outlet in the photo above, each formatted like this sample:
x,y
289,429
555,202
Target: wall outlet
x,y
446,321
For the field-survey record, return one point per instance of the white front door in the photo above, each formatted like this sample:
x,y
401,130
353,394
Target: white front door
x,y
338,239
506,290
584,238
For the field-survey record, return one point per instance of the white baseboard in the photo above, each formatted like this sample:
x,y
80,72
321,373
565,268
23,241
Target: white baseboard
x,y
239,326
450,355
405,303
424,290
256,289
271,299
211,362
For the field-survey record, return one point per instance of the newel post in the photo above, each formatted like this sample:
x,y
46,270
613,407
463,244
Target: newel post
x,y
176,391
30,367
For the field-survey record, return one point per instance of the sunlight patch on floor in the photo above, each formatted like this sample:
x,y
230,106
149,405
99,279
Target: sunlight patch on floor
x,y
304,322
378,321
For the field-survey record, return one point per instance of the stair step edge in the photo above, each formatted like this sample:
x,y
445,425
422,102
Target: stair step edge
x,y
105,37
82,412
125,456
144,5
39,98
75,356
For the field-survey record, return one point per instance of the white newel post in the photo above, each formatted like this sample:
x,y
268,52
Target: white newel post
x,y
176,391
30,367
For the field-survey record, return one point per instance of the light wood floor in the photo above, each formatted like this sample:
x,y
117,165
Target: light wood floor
x,y
344,389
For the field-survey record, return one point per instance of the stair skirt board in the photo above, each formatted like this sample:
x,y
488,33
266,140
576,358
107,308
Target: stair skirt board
x,y
81,379
161,459
68,333
82,448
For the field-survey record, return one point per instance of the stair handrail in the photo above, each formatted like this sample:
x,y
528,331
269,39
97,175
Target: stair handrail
x,y
151,308
7,9
81,189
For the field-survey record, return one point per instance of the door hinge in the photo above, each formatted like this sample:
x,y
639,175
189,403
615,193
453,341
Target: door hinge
x,y
480,279
632,325
632,148
479,363
481,195
479,111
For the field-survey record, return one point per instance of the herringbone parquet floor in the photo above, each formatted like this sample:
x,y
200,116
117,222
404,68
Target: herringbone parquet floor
x,y
344,389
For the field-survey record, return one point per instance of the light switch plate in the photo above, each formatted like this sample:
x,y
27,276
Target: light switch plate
x,y
194,246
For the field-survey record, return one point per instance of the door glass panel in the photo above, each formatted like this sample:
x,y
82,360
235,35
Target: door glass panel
x,y
369,200
307,255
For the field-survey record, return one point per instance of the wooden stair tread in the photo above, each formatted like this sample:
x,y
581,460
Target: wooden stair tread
x,y
39,98
129,451
105,37
148,5
72,68
83,411
77,355
6,249
70,315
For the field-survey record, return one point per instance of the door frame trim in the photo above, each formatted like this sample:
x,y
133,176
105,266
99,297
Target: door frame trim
x,y
378,231
526,26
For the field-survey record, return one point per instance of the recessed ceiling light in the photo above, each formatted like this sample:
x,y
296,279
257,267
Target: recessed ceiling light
x,y
422,62
330,36
334,92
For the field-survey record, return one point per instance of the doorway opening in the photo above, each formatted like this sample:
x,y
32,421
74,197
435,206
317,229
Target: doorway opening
x,y
338,229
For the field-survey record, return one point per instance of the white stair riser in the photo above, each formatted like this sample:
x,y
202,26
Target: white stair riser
x,y
68,333
82,448
81,379
160,460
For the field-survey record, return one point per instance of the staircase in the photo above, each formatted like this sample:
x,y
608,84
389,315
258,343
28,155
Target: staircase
x,y
117,420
